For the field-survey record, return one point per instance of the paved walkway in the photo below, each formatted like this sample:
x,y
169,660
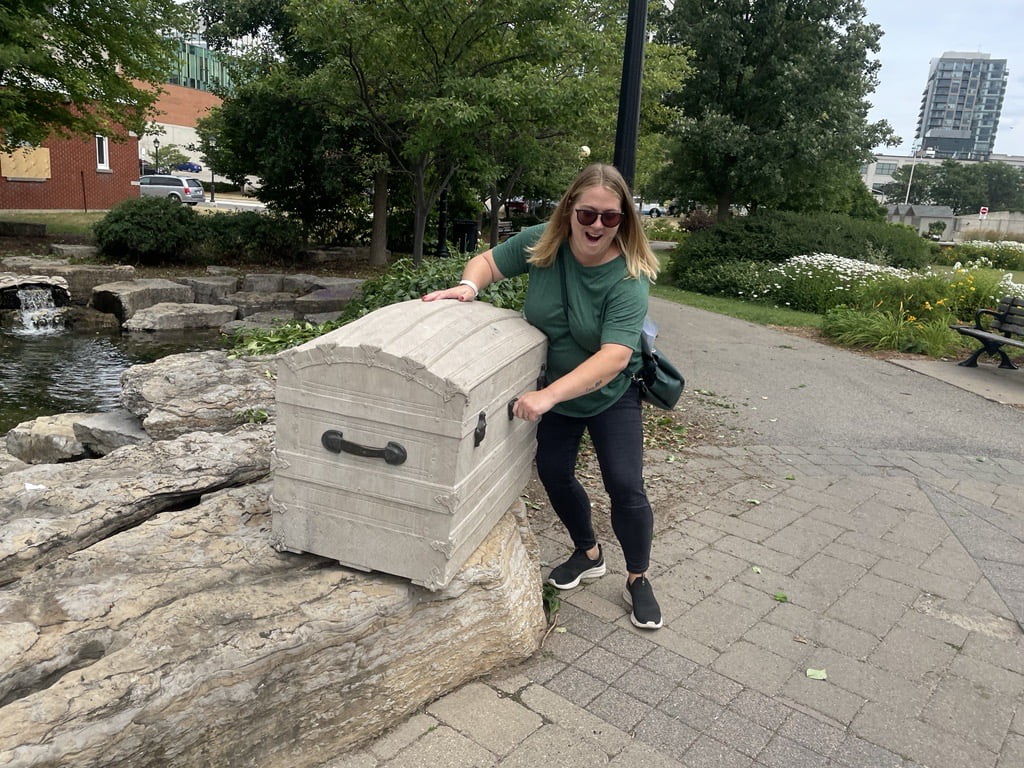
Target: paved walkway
x,y
852,516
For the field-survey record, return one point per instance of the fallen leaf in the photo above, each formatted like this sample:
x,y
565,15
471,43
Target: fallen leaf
x,y
753,502
801,639
791,477
756,569
817,674
780,597
560,630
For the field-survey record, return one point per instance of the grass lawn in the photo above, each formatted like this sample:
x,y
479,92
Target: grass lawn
x,y
763,314
57,222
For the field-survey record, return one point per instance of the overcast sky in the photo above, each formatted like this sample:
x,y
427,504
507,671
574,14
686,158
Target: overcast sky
x,y
917,32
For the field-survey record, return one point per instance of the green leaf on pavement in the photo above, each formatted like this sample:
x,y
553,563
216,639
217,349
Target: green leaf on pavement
x,y
817,674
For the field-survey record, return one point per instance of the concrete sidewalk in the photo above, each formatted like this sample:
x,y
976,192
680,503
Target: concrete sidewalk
x,y
852,516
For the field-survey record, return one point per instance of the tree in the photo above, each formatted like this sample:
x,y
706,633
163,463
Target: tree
x,y
778,104
86,67
964,186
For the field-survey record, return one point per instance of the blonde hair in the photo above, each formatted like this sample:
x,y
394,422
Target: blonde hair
x,y
630,238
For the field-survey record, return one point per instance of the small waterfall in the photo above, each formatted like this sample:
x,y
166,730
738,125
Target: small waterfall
x,y
38,313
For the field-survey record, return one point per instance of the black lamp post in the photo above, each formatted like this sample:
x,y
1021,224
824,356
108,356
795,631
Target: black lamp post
x,y
442,225
156,154
629,91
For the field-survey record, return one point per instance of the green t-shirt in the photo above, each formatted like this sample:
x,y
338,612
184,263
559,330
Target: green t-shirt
x,y
605,306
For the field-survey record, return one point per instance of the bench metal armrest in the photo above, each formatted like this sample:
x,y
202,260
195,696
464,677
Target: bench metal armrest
x,y
978,315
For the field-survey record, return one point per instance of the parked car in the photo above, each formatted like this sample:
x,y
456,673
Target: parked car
x,y
190,167
180,188
654,210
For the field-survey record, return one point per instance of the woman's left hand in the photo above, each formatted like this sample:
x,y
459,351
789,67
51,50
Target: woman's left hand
x,y
532,405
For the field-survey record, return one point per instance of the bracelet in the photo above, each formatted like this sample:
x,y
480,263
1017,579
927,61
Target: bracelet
x,y
471,284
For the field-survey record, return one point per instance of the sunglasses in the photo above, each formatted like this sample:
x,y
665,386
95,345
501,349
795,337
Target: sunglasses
x,y
587,217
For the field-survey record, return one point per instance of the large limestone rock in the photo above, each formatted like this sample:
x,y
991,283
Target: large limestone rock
x,y
49,511
188,641
101,433
204,391
167,316
81,278
125,298
211,289
47,440
251,302
332,299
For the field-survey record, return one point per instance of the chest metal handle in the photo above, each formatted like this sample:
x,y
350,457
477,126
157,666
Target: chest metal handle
x,y
392,453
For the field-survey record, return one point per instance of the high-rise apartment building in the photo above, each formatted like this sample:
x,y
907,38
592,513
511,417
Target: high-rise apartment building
x,y
961,105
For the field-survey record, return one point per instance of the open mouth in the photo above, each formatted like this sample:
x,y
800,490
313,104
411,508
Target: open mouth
x,y
592,238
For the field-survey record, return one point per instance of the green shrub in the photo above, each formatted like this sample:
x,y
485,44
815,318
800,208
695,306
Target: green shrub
x,y
776,236
896,330
248,236
402,282
740,278
147,231
1004,254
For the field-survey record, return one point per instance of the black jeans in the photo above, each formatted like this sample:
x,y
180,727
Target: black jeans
x,y
618,438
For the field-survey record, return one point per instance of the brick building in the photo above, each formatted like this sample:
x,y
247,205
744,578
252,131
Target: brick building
x,y
81,174
70,174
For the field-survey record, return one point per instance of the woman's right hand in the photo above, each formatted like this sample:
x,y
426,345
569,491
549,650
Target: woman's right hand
x,y
458,292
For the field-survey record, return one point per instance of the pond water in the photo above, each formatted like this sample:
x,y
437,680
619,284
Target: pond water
x,y
63,371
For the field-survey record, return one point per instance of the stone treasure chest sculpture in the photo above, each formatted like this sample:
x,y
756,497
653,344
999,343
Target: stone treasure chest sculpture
x,y
396,448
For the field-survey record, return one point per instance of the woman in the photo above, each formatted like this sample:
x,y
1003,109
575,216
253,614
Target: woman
x,y
590,271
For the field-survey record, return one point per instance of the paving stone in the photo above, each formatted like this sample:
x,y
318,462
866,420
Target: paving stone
x,y
709,683
872,613
831,576
393,742
855,752
754,667
812,732
957,706
709,753
475,708
760,555
574,719
921,742
619,708
443,746
912,655
667,665
692,708
786,753
719,623
740,733
602,664
576,686
640,754
551,745
779,641
645,685
666,733
821,696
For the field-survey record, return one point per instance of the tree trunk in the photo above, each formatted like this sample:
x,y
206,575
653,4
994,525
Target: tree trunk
x,y
379,234
722,211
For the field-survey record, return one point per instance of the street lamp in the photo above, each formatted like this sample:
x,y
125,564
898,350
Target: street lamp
x,y
212,143
910,179
156,154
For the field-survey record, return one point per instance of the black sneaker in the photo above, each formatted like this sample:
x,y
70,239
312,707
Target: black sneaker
x,y
646,612
578,567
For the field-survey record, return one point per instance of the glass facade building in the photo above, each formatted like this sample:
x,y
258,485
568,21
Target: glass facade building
x,y
960,107
200,68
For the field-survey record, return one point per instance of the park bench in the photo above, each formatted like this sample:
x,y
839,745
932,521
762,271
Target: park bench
x,y
505,230
1005,328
